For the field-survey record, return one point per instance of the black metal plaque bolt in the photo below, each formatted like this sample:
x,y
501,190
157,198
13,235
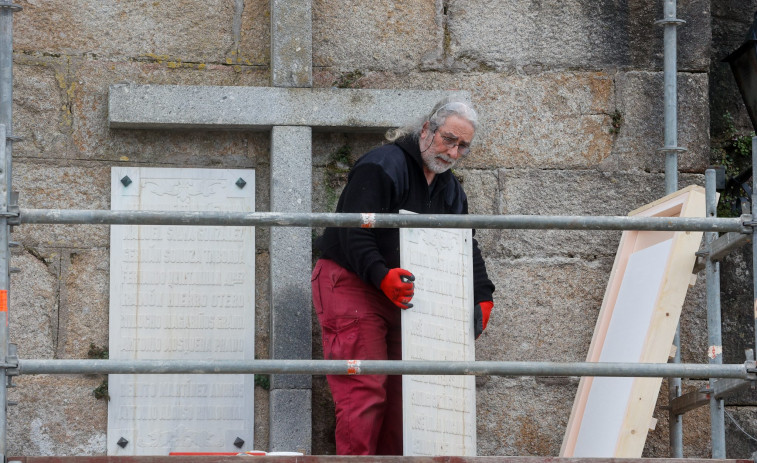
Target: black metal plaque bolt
x,y
122,442
126,181
241,183
238,442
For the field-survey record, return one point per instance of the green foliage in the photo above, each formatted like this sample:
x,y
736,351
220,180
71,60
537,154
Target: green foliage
x,y
96,352
733,151
337,169
263,381
101,391
617,122
348,80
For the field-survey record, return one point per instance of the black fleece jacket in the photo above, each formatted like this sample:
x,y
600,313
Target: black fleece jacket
x,y
385,180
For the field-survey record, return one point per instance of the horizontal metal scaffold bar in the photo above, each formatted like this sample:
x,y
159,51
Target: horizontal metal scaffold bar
x,y
103,217
390,367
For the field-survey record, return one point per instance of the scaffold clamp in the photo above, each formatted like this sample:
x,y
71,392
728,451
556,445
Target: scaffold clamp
x,y
747,223
11,361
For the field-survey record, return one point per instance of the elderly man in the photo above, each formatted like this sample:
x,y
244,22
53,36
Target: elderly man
x,y
358,285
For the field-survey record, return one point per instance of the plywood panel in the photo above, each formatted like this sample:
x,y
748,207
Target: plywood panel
x,y
637,322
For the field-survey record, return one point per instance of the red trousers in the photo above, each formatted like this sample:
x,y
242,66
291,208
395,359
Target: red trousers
x,y
358,322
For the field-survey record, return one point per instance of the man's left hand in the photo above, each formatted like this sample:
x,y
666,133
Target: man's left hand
x,y
481,314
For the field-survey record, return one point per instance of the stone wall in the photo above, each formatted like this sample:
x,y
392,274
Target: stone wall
x,y
570,95
730,22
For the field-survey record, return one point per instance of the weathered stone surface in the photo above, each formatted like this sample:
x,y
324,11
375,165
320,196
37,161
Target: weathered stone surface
x,y
260,108
262,342
647,38
290,436
739,10
255,35
291,43
548,120
56,415
736,287
640,102
481,187
176,31
46,186
738,443
536,298
568,120
324,419
544,121
94,140
40,113
83,301
384,34
519,426
730,22
33,310
694,341
589,192
531,37
291,182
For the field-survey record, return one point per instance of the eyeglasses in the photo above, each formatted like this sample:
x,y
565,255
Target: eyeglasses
x,y
450,142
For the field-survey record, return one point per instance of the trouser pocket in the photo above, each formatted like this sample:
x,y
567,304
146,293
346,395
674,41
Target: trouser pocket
x,y
341,338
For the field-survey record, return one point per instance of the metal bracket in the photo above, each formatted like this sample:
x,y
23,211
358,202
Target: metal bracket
x,y
751,365
747,223
12,6
665,22
672,149
11,361
13,211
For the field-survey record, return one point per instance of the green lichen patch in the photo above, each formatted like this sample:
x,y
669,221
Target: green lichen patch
x,y
97,352
101,391
732,149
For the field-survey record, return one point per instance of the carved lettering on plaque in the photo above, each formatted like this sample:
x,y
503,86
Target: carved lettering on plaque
x,y
181,293
439,411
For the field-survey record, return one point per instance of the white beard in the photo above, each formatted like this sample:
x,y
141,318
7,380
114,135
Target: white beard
x,y
437,163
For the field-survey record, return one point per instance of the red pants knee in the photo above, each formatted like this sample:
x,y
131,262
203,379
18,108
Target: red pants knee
x,y
359,323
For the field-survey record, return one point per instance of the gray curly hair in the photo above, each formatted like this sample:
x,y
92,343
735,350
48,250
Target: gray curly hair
x,y
449,106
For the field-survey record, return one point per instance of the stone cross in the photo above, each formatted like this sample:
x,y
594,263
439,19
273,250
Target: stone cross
x,y
290,109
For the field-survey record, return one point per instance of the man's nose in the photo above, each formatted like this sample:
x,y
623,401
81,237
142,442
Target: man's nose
x,y
454,152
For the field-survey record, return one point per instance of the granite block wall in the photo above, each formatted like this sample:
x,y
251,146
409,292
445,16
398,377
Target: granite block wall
x,y
570,94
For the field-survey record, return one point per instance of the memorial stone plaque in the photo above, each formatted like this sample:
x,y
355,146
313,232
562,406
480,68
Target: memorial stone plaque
x,y
181,293
439,412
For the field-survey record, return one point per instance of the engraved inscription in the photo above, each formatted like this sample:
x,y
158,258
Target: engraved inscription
x,y
181,293
439,410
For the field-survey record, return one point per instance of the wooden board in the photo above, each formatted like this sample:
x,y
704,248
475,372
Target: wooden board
x,y
637,323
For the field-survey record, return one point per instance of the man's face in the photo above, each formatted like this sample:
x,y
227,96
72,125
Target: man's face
x,y
443,148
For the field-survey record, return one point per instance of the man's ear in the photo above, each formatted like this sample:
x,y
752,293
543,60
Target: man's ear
x,y
424,130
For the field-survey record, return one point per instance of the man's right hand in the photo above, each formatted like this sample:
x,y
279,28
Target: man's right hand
x,y
398,287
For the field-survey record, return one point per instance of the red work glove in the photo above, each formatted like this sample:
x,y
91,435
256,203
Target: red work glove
x,y
398,287
481,316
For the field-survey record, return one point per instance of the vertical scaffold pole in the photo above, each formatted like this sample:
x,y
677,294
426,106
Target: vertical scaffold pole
x,y
754,235
6,113
715,349
671,150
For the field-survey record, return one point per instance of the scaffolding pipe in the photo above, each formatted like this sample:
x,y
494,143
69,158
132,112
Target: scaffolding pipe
x,y
671,150
714,336
754,245
293,219
384,367
4,287
6,121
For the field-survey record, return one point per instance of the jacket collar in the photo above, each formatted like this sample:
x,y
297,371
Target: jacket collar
x,y
411,146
